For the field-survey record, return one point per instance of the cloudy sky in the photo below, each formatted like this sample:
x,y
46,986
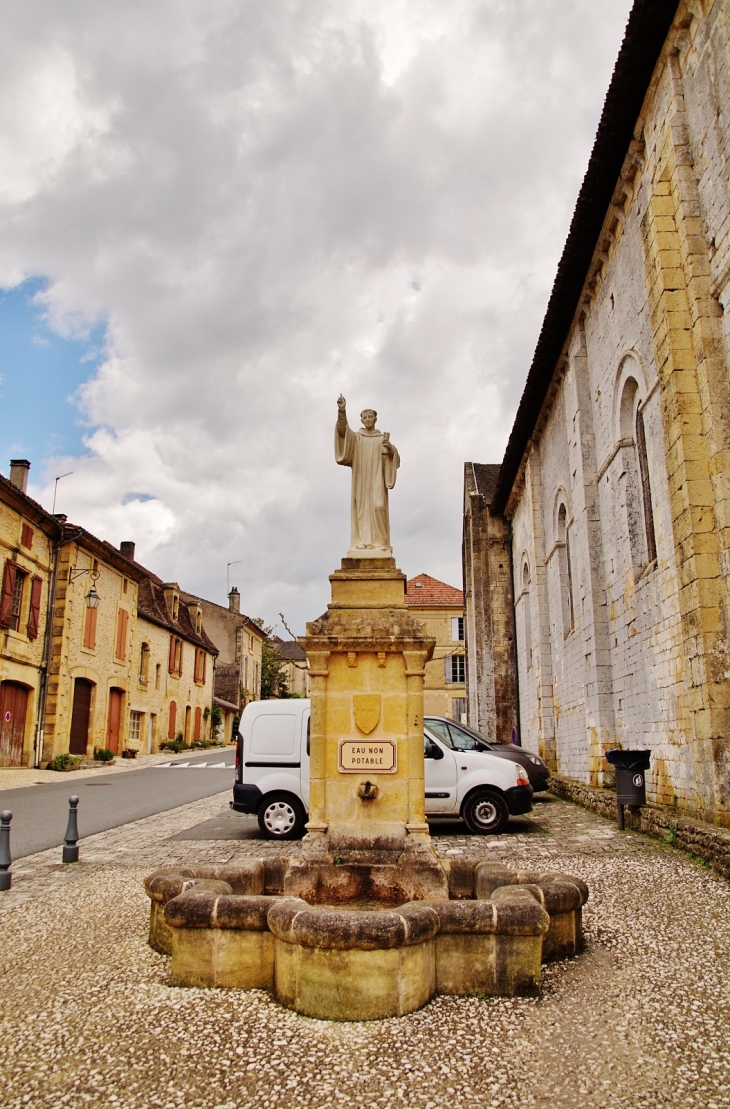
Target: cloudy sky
x,y
216,217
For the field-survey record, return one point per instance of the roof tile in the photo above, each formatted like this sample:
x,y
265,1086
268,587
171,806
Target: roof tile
x,y
425,591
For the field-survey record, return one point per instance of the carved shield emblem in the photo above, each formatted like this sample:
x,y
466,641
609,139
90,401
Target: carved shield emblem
x,y
367,711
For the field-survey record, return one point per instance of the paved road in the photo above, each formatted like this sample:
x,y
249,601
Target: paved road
x,y
40,812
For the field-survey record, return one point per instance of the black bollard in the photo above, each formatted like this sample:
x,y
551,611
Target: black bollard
x,y
70,846
6,878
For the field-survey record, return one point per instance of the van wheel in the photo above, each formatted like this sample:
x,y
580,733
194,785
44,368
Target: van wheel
x,y
282,816
485,813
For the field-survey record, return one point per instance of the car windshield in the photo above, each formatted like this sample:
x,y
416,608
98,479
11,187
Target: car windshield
x,y
455,737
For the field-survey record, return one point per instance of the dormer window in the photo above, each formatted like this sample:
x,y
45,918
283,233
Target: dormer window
x,y
172,600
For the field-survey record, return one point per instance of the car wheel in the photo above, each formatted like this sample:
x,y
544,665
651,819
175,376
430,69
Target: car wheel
x,y
485,813
282,817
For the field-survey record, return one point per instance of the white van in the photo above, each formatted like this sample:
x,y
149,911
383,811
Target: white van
x,y
272,775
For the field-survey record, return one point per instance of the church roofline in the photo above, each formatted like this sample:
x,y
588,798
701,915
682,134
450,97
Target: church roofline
x,y
646,33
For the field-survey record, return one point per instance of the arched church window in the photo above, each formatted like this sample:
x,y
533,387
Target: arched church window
x,y
640,513
526,615
566,572
645,487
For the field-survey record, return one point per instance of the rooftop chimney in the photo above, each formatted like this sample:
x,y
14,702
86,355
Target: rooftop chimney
x,y
127,549
19,473
234,600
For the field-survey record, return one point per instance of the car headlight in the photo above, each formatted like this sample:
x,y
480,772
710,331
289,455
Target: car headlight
x,y
537,762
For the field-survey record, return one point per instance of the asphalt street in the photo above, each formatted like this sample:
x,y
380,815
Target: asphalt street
x,y
40,812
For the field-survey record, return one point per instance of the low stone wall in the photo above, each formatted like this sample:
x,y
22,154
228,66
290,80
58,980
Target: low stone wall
x,y
702,840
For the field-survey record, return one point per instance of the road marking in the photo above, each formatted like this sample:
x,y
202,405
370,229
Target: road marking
x,y
193,766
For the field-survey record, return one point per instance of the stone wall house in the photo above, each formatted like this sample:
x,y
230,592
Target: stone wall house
x,y
293,659
29,539
615,482
238,640
92,647
441,609
173,665
130,671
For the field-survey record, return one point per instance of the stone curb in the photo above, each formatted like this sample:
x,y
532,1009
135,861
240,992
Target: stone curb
x,y
705,841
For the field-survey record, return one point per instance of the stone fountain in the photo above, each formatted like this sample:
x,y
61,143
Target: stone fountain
x,y
366,921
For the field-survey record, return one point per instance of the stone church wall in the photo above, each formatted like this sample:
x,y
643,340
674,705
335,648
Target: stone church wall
x,y
621,627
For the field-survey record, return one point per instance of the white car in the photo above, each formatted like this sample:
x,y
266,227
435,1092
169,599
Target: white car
x,y
272,775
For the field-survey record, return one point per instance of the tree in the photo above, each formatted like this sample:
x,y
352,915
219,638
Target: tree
x,y
273,677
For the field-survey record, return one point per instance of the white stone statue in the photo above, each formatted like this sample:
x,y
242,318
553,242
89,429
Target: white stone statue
x,y
374,461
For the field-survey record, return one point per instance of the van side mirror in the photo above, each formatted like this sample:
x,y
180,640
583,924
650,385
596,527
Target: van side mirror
x,y
433,751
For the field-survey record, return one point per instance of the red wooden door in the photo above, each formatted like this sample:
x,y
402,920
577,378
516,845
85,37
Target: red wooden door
x,y
114,720
80,716
13,705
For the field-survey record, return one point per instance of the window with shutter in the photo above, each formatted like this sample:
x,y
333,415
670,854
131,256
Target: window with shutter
x,y
6,603
34,615
90,628
16,601
26,536
171,661
173,719
457,629
122,621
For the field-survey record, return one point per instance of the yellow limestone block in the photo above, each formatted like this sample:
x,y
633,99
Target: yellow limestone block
x,y
367,656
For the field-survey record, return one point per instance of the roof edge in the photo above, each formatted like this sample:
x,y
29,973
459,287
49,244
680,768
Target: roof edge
x,y
646,32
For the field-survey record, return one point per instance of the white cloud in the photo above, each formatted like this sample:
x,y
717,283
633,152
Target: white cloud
x,y
270,203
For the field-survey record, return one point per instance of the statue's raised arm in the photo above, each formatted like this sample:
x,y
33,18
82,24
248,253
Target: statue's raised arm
x,y
374,462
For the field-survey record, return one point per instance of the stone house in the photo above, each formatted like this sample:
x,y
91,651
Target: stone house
x,y
173,665
293,659
615,484
29,541
129,670
123,663
440,607
238,641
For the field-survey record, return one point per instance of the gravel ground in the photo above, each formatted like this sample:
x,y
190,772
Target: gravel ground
x,y
640,1019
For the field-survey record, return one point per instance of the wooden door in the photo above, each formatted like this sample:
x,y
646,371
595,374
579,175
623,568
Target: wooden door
x,y
80,716
13,705
114,720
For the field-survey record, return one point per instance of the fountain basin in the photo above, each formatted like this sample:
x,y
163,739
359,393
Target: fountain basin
x,y
238,927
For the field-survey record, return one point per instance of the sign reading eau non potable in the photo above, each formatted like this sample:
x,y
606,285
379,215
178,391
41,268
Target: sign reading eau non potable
x,y
359,756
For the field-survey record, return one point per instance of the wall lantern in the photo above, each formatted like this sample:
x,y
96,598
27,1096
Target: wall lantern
x,y
92,597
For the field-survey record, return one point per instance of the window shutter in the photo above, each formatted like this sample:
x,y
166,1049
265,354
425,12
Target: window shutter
x,y
173,717
447,670
455,629
121,633
179,656
6,603
90,628
171,663
203,660
122,619
196,731
26,538
34,616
